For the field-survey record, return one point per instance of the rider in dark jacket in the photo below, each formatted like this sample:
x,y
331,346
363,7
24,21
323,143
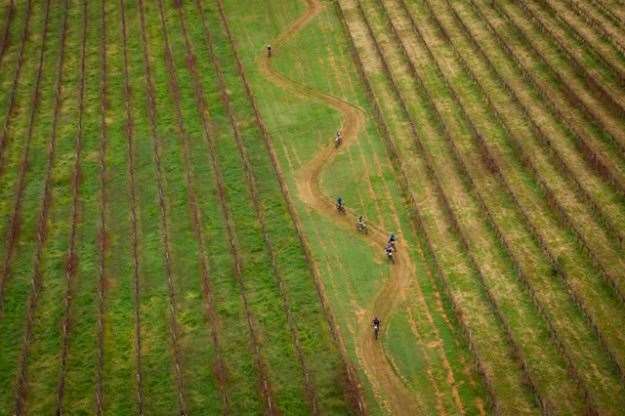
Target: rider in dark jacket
x,y
376,326
340,204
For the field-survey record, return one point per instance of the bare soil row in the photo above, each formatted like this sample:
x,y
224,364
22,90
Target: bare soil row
x,y
491,162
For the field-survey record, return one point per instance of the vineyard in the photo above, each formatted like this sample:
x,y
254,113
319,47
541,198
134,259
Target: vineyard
x,y
169,241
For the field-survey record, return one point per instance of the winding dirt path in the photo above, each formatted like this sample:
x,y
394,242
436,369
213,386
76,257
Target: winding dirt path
x,y
389,388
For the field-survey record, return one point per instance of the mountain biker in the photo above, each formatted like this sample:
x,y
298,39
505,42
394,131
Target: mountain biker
x,y
268,51
376,326
360,223
338,139
389,249
391,241
340,204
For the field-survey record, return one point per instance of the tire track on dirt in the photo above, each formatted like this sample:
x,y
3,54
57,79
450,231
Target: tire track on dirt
x,y
21,384
352,386
428,246
433,337
493,300
388,386
132,190
418,295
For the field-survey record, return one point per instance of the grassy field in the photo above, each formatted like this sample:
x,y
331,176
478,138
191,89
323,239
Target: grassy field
x,y
169,243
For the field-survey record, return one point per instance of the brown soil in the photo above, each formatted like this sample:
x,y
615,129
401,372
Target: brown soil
x,y
388,387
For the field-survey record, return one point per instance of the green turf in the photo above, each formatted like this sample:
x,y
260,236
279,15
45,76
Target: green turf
x,y
512,232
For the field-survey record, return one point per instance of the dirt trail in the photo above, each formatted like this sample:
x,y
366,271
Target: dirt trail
x,y
389,388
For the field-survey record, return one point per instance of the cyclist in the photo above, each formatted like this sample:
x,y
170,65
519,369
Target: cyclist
x,y
376,326
338,139
389,250
340,205
361,225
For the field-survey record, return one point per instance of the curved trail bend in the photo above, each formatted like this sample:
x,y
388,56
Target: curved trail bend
x,y
389,388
